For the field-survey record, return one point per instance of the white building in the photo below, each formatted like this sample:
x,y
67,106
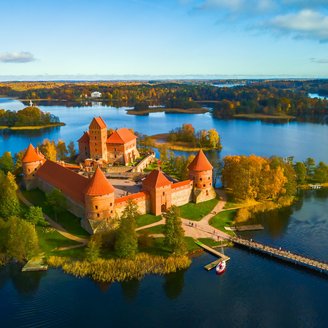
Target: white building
x,y
96,94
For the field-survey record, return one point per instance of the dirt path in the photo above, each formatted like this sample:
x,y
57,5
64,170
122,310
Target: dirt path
x,y
202,228
54,224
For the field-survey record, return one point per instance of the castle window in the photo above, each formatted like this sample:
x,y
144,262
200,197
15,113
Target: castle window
x,y
201,179
206,192
95,138
209,178
98,215
96,207
163,193
204,185
28,170
111,212
111,204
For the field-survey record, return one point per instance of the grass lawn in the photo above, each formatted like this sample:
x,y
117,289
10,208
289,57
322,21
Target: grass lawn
x,y
153,230
146,219
195,212
223,219
49,239
66,219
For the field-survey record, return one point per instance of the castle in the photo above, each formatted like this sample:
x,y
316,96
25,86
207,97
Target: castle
x,y
93,199
116,147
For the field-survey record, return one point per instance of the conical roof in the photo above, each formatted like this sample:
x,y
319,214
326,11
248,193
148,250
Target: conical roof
x,y
156,179
99,185
31,155
200,163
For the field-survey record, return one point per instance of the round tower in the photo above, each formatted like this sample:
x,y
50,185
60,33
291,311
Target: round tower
x,y
31,162
99,198
201,173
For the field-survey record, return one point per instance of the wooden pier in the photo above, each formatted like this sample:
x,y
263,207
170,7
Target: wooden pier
x,y
282,254
251,227
221,256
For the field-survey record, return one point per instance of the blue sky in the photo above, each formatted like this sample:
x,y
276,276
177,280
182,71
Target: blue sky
x,y
171,37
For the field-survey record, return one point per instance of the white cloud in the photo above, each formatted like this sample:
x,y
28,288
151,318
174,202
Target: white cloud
x,y
240,6
304,24
319,60
16,57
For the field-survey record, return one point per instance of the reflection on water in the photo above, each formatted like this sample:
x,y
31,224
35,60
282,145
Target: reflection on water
x,y
25,283
173,284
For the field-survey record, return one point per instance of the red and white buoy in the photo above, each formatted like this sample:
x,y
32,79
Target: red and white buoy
x,y
221,267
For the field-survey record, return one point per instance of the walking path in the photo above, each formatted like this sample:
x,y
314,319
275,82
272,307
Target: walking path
x,y
54,224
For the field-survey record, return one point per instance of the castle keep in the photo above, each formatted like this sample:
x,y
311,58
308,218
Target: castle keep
x,y
114,147
93,199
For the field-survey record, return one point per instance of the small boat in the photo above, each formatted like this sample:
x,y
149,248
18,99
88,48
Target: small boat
x,y
221,267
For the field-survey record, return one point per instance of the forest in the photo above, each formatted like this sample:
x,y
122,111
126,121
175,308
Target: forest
x,y
282,98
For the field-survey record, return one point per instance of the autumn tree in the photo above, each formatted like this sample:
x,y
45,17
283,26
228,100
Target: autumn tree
x,y
321,173
7,162
92,251
49,150
61,150
9,203
22,239
126,243
173,231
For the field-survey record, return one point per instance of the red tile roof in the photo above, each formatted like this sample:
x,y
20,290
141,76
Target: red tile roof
x,y
85,138
98,121
99,185
156,179
121,136
141,194
200,163
181,184
70,183
31,155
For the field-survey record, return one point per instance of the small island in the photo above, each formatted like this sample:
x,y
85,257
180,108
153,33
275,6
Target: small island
x,y
29,118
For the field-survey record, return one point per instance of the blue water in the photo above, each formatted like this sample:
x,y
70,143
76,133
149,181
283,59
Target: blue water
x,y
301,140
256,291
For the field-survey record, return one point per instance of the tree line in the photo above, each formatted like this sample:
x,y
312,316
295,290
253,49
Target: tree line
x,y
262,97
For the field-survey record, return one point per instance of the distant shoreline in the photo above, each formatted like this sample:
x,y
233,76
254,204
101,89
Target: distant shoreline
x,y
167,110
31,127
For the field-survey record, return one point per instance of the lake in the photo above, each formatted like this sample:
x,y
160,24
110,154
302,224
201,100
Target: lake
x,y
256,291
297,139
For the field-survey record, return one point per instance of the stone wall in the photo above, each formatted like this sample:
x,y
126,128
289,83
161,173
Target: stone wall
x,y
75,208
142,199
182,193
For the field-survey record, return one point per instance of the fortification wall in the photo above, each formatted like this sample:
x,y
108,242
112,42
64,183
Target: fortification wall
x,y
72,206
181,193
141,199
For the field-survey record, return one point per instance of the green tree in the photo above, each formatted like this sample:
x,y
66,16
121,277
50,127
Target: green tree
x,y
92,251
9,203
126,243
173,232
6,162
310,166
57,201
301,172
61,150
321,173
22,241
71,150
35,216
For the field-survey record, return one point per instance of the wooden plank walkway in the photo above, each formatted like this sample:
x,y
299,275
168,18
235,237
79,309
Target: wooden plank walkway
x,y
221,256
35,264
251,227
282,254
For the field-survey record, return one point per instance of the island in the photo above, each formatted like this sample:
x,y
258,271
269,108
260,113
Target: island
x,y
29,118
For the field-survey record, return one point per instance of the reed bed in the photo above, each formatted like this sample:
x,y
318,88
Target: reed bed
x,y
112,270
